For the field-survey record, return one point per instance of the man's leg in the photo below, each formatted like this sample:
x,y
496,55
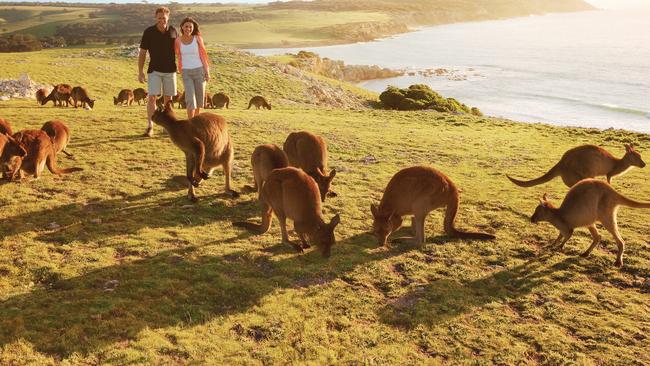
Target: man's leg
x,y
154,86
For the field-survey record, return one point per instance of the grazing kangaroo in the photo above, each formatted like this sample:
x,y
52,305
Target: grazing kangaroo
x,y
264,159
180,99
259,101
124,96
587,161
5,127
417,191
309,153
41,94
139,95
205,141
10,151
220,100
588,201
207,103
80,94
40,151
59,94
292,194
60,135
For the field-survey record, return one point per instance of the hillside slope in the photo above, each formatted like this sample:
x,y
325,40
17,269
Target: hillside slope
x,y
114,266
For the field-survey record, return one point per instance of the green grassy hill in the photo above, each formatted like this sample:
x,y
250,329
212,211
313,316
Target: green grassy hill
x,y
114,266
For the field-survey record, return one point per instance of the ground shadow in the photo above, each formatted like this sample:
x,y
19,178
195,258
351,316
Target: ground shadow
x,y
444,299
176,287
100,219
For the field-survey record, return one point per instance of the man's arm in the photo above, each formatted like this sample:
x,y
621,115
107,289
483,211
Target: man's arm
x,y
142,56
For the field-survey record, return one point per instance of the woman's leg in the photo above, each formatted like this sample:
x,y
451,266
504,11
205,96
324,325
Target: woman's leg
x,y
188,82
199,89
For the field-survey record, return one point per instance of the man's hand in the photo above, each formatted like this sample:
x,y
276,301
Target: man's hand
x,y
141,77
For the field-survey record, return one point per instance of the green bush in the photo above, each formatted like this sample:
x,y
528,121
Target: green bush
x,y
419,97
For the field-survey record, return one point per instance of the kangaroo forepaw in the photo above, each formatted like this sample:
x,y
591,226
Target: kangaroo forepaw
x,y
618,263
204,175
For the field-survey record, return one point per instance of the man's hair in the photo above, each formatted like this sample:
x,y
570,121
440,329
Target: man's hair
x,y
162,9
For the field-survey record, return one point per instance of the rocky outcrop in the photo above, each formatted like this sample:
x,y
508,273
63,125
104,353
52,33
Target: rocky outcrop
x,y
23,87
335,69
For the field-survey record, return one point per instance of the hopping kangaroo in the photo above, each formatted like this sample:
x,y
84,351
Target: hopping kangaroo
x,y
60,135
140,94
40,151
259,101
417,191
80,94
587,161
220,100
292,194
125,96
5,127
309,153
205,141
588,201
264,159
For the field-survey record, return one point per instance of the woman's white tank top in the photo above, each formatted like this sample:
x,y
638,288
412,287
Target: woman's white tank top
x,y
190,54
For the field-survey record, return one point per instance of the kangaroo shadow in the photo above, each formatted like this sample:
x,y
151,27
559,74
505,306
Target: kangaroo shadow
x,y
80,143
100,219
176,287
445,299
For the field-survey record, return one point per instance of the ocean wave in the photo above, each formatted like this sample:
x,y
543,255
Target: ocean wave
x,y
603,106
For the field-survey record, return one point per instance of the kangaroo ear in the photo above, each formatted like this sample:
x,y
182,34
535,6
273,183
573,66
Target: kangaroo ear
x,y
335,221
332,174
374,209
628,148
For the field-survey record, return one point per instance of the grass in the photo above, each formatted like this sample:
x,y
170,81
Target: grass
x,y
133,273
44,19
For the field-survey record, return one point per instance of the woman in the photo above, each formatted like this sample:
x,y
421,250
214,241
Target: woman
x,y
193,64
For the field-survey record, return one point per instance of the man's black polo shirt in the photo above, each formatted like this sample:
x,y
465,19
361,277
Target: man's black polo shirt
x,y
161,49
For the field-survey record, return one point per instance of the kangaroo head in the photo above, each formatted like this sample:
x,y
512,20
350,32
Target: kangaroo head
x,y
14,147
114,101
384,223
543,211
324,238
633,157
323,181
91,103
164,115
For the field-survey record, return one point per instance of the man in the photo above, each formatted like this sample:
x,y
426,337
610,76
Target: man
x,y
158,40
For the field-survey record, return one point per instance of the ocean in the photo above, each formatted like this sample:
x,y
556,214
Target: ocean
x,y
589,69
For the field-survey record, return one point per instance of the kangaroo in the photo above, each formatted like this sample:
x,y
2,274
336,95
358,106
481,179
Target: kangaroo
x,y
309,152
124,96
207,103
417,191
219,100
40,151
139,95
180,99
59,94
588,201
291,193
5,127
587,161
264,159
259,101
60,135
205,141
41,94
80,94
10,151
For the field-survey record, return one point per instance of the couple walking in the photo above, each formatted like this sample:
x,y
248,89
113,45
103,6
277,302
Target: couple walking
x,y
163,43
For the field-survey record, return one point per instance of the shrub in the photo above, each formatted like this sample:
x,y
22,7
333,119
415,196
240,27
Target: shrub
x,y
419,97
20,43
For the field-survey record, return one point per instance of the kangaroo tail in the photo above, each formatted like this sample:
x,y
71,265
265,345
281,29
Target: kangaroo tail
x,y
51,165
254,228
632,203
554,172
450,218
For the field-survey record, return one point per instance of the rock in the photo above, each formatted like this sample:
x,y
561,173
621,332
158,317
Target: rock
x,y
53,226
4,98
369,160
96,221
111,285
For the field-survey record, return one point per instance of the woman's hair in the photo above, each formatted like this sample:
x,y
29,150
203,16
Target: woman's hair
x,y
196,26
